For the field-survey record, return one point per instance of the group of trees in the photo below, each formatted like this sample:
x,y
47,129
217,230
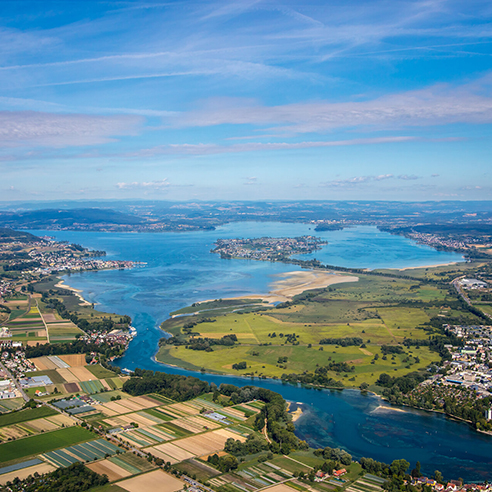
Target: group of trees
x,y
319,377
335,455
343,342
79,346
202,343
392,349
274,414
405,384
74,478
252,445
173,386
223,463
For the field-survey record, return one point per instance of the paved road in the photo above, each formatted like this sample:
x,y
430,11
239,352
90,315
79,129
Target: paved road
x,y
462,294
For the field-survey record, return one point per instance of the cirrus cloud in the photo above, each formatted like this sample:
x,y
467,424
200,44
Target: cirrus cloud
x,y
63,130
437,105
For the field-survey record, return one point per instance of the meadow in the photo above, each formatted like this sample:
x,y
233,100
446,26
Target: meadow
x,y
378,310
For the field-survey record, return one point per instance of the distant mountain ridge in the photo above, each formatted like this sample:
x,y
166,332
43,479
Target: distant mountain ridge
x,y
8,235
165,216
66,218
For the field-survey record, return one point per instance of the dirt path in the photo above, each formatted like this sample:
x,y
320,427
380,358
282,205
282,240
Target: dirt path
x,y
265,433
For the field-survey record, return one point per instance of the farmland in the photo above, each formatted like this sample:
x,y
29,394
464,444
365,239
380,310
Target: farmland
x,y
15,450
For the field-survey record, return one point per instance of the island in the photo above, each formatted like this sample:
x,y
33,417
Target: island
x,y
267,248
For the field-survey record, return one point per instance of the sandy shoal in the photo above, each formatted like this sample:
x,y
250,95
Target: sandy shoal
x,y
61,285
291,284
426,266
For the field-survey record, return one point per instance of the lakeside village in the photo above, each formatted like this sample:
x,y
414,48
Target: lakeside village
x,y
25,258
267,248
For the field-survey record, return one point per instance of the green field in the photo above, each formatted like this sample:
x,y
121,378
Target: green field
x,y
379,310
25,415
42,443
51,373
486,308
100,372
65,331
7,405
218,304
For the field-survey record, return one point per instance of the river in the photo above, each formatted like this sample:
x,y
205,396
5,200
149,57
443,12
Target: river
x,y
180,270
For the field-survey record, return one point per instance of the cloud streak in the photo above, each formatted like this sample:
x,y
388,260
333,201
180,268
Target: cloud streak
x,y
361,180
145,185
436,105
211,149
63,130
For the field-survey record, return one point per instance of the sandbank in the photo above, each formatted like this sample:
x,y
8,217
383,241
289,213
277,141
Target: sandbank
x,y
296,413
393,409
290,284
61,285
426,266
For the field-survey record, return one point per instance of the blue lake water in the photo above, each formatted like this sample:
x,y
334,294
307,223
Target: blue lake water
x,y
181,270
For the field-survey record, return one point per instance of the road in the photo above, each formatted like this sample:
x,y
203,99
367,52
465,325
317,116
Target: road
x,y
44,322
462,294
457,286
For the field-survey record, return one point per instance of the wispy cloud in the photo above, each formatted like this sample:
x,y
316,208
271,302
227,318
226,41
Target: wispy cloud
x,y
253,180
62,130
408,177
210,149
360,180
436,105
144,185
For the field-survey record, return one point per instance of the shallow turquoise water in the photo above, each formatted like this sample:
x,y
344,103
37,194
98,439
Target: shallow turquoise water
x,y
181,270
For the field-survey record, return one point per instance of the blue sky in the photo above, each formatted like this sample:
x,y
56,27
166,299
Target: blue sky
x,y
249,100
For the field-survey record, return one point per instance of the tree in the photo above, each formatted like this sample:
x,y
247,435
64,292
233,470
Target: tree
x,y
416,471
438,476
399,467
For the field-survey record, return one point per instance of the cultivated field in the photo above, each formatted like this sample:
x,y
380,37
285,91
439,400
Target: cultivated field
x,y
156,481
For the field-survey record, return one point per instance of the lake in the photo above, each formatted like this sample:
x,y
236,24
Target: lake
x,y
181,270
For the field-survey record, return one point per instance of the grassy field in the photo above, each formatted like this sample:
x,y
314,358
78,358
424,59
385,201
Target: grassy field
x,y
379,310
486,308
100,372
65,331
7,405
218,304
26,415
29,446
300,359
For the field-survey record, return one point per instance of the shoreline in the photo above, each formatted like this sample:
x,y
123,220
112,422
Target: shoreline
x,y
427,266
62,285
